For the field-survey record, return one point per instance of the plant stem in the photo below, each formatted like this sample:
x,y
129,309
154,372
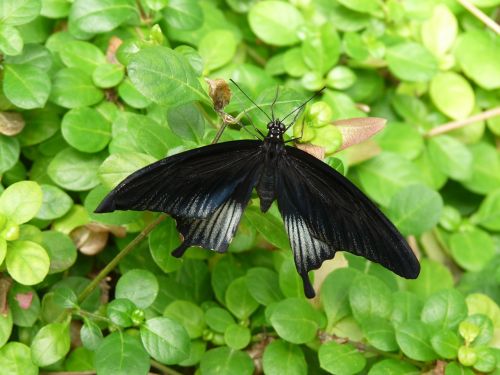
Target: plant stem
x,y
88,314
117,259
476,12
219,132
164,369
325,337
449,126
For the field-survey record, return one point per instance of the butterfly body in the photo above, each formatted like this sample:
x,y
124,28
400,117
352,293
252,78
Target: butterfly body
x,y
207,190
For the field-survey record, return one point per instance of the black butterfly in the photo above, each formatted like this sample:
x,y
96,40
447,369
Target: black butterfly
x,y
207,189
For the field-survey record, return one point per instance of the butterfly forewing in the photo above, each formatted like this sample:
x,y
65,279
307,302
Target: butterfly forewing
x,y
190,184
324,212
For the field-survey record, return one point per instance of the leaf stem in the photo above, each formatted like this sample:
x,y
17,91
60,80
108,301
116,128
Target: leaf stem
x,y
476,12
449,126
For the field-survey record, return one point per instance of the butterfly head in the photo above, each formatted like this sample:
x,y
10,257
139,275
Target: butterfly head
x,y
276,129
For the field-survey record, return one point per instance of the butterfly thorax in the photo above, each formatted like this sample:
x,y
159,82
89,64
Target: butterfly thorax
x,y
273,147
276,129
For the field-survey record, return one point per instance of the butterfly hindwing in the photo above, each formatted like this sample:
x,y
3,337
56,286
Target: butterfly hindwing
x,y
190,184
324,212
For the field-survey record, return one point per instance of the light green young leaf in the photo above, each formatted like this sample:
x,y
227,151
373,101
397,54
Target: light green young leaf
x,y
440,31
410,61
26,86
452,94
21,201
27,262
19,12
451,157
50,344
275,22
11,42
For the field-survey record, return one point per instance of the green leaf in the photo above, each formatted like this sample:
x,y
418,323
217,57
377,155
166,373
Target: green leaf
x,y
82,55
40,126
218,319
380,334
290,282
275,22
108,75
226,361
11,42
239,300
162,241
485,176
484,329
120,311
21,201
100,16
74,88
131,95
55,203
91,335
370,298
413,338
452,94
451,157
9,152
444,309
165,340
50,344
363,6
488,215
86,129
61,250
217,48
120,353
27,262
472,249
74,170
283,358
433,277
321,48
187,122
335,294
23,315
342,359
402,139
139,286
179,83
19,12
410,61
15,359
26,86
263,285
118,166
440,31
393,367
183,14
486,71
295,320
269,226
34,55
189,315
446,342
415,209
55,8
237,337
6,325
382,176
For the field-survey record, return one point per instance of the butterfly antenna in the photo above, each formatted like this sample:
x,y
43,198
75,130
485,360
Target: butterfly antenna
x,y
274,101
255,104
253,125
302,106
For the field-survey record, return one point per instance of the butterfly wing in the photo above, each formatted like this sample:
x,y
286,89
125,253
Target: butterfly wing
x,y
205,190
189,184
324,212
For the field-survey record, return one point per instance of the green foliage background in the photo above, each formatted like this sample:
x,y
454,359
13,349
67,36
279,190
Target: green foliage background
x,y
92,90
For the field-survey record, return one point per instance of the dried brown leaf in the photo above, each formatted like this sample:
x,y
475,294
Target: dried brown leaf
x,y
359,129
5,284
316,151
219,91
114,44
89,242
11,123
